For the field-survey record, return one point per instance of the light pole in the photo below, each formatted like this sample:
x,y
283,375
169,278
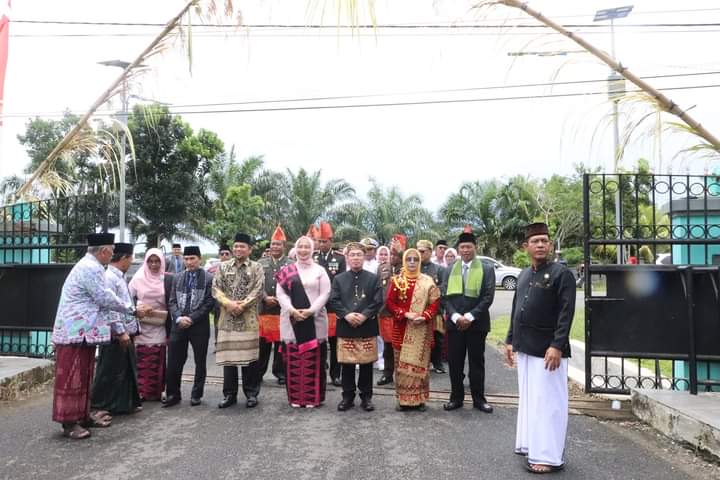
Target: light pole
x,y
123,116
616,89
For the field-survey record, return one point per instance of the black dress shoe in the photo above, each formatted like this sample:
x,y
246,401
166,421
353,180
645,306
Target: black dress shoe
x,y
170,401
336,382
194,402
421,408
439,369
345,405
452,405
227,401
483,407
367,405
281,381
384,381
251,402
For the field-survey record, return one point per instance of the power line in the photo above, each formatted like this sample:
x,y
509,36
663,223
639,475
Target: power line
x,y
450,90
414,103
343,35
372,27
393,94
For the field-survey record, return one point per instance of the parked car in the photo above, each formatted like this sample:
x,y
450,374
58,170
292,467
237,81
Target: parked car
x,y
663,259
211,265
505,276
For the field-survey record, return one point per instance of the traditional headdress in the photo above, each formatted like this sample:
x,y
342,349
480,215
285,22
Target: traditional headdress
x,y
100,239
243,238
278,235
538,228
326,232
124,248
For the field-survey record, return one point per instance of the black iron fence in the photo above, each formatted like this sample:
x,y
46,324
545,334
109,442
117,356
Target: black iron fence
x,y
39,243
652,308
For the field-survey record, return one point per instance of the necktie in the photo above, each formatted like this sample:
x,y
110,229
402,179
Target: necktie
x,y
177,264
464,274
188,290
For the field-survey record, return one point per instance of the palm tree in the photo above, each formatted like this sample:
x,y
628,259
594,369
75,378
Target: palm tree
x,y
305,199
385,213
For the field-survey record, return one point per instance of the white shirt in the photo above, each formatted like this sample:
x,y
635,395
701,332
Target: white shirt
x,y
468,316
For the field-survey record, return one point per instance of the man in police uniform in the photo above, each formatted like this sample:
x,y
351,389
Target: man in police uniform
x,y
270,308
333,263
542,313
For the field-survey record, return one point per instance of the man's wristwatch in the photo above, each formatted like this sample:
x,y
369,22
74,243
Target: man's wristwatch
x,y
133,310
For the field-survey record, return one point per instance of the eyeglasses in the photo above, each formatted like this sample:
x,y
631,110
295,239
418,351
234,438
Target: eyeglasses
x,y
412,260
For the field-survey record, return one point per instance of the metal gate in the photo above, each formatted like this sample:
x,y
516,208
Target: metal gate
x,y
652,282
39,243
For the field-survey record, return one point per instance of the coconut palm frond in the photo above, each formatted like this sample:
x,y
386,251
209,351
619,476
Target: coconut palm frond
x,y
665,103
160,43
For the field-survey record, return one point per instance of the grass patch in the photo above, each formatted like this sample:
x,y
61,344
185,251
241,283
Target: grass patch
x,y
499,327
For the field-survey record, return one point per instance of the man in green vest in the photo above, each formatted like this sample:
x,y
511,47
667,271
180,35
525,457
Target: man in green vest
x,y
468,290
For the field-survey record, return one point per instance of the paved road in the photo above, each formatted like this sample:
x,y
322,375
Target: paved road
x,y
275,441
502,305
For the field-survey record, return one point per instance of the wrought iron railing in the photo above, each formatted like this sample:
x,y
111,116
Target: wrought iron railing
x,y
39,243
651,325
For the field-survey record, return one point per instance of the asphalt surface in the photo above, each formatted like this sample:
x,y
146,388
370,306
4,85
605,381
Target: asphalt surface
x,y
275,441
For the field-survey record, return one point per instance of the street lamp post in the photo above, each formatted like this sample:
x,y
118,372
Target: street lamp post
x,y
123,117
616,89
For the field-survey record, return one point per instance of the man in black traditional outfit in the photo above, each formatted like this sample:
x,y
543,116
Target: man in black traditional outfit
x,y
542,314
356,298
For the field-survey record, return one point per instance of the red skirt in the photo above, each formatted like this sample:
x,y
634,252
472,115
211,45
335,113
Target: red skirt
x,y
302,375
151,371
74,369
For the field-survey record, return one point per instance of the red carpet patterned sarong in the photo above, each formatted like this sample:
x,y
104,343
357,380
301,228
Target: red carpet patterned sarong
x,y
302,375
269,326
410,391
74,368
151,370
386,328
332,324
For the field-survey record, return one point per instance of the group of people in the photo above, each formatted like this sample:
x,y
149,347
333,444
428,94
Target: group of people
x,y
321,309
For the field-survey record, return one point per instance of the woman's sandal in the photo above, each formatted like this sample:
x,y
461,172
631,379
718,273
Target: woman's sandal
x,y
99,419
76,432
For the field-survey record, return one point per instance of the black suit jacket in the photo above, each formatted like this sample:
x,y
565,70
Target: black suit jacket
x,y
168,283
200,316
367,299
479,307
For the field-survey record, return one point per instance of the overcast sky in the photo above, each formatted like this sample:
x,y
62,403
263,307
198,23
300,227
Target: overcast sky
x,y
425,149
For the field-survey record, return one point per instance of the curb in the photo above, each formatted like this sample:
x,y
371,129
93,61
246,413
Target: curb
x,y
11,388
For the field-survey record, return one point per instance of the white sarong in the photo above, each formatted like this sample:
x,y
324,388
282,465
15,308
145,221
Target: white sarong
x,y
542,410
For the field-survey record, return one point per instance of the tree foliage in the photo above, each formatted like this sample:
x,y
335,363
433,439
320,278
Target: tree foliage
x,y
167,183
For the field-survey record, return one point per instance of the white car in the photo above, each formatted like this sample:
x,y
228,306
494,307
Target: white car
x,y
211,265
505,276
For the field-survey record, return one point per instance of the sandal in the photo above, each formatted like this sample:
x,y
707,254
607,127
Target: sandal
x,y
97,420
542,468
101,415
76,432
